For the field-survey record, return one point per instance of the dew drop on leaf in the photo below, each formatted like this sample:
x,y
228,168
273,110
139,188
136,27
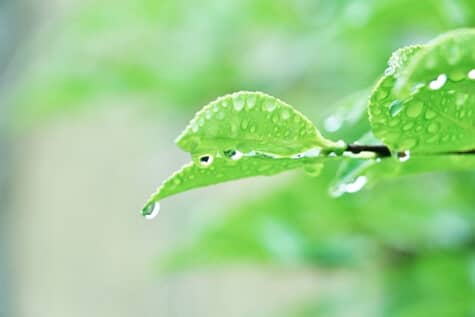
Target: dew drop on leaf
x,y
438,83
395,107
414,109
238,103
471,74
285,114
433,127
220,115
234,155
150,211
404,156
206,160
270,106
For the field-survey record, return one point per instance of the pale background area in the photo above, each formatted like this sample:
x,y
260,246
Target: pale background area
x,y
79,248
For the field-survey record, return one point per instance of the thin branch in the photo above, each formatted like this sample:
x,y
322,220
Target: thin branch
x,y
384,151
380,150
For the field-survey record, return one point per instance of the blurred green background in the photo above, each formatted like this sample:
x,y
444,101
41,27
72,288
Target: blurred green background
x,y
93,94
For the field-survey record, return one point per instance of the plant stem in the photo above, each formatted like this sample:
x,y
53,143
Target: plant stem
x,y
384,151
380,150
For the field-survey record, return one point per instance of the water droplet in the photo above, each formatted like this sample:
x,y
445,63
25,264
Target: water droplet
x,y
220,115
333,123
471,74
433,127
439,82
461,99
404,156
285,114
408,126
414,109
395,107
430,114
456,75
151,210
251,101
270,105
234,155
238,102
206,160
394,122
208,114
275,118
252,129
380,94
408,143
351,187
244,124
356,185
389,71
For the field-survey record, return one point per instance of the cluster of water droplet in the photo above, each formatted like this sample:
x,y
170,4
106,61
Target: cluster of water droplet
x,y
424,112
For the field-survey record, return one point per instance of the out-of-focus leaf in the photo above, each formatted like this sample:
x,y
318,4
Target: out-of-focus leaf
x,y
436,285
295,225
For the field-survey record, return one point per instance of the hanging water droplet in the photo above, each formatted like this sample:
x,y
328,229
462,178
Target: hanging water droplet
x,y
471,74
439,82
352,187
151,210
206,160
395,107
404,156
333,123
357,184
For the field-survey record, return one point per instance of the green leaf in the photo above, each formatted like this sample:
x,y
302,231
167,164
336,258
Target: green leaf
x,y
426,103
223,169
251,121
242,135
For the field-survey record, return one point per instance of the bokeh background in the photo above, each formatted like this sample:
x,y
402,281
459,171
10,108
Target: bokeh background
x,y
93,94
